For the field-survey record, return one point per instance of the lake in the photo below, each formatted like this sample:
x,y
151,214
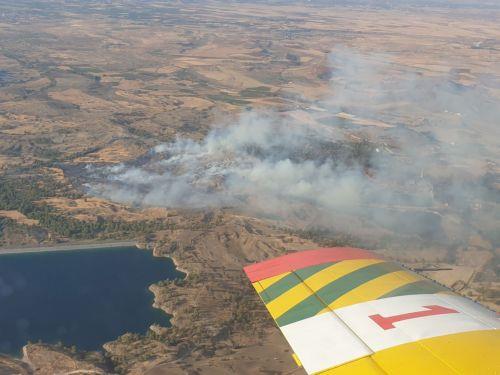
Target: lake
x,y
80,297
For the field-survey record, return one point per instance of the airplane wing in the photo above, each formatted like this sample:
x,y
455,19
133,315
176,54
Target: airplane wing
x,y
347,311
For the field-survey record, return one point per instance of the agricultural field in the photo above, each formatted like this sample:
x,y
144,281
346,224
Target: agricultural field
x,y
98,97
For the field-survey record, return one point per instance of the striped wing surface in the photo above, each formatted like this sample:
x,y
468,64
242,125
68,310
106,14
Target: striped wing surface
x,y
347,311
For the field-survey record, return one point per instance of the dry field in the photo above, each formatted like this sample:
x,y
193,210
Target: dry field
x,y
86,85
74,81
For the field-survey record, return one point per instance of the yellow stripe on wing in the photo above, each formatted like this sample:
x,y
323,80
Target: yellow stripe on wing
x,y
288,299
305,289
375,288
266,283
257,287
336,271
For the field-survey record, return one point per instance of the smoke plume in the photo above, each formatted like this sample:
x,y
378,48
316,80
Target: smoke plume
x,y
390,147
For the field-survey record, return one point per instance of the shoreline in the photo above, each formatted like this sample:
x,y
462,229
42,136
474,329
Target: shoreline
x,y
68,247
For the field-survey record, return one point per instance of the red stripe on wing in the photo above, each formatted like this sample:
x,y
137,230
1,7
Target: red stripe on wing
x,y
302,259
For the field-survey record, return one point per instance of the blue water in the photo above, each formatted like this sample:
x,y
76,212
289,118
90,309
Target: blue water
x,y
83,298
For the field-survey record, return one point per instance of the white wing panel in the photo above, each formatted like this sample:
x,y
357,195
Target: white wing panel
x,y
323,341
398,320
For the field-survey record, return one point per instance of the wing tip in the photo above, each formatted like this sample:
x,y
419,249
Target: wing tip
x,y
301,259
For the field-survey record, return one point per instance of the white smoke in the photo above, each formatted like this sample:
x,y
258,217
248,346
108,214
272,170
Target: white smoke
x,y
421,131
250,160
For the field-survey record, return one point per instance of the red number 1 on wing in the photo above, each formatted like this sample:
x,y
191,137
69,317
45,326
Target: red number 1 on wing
x,y
387,322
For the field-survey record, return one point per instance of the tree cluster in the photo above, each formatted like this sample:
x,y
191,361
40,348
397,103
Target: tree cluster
x,y
25,195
